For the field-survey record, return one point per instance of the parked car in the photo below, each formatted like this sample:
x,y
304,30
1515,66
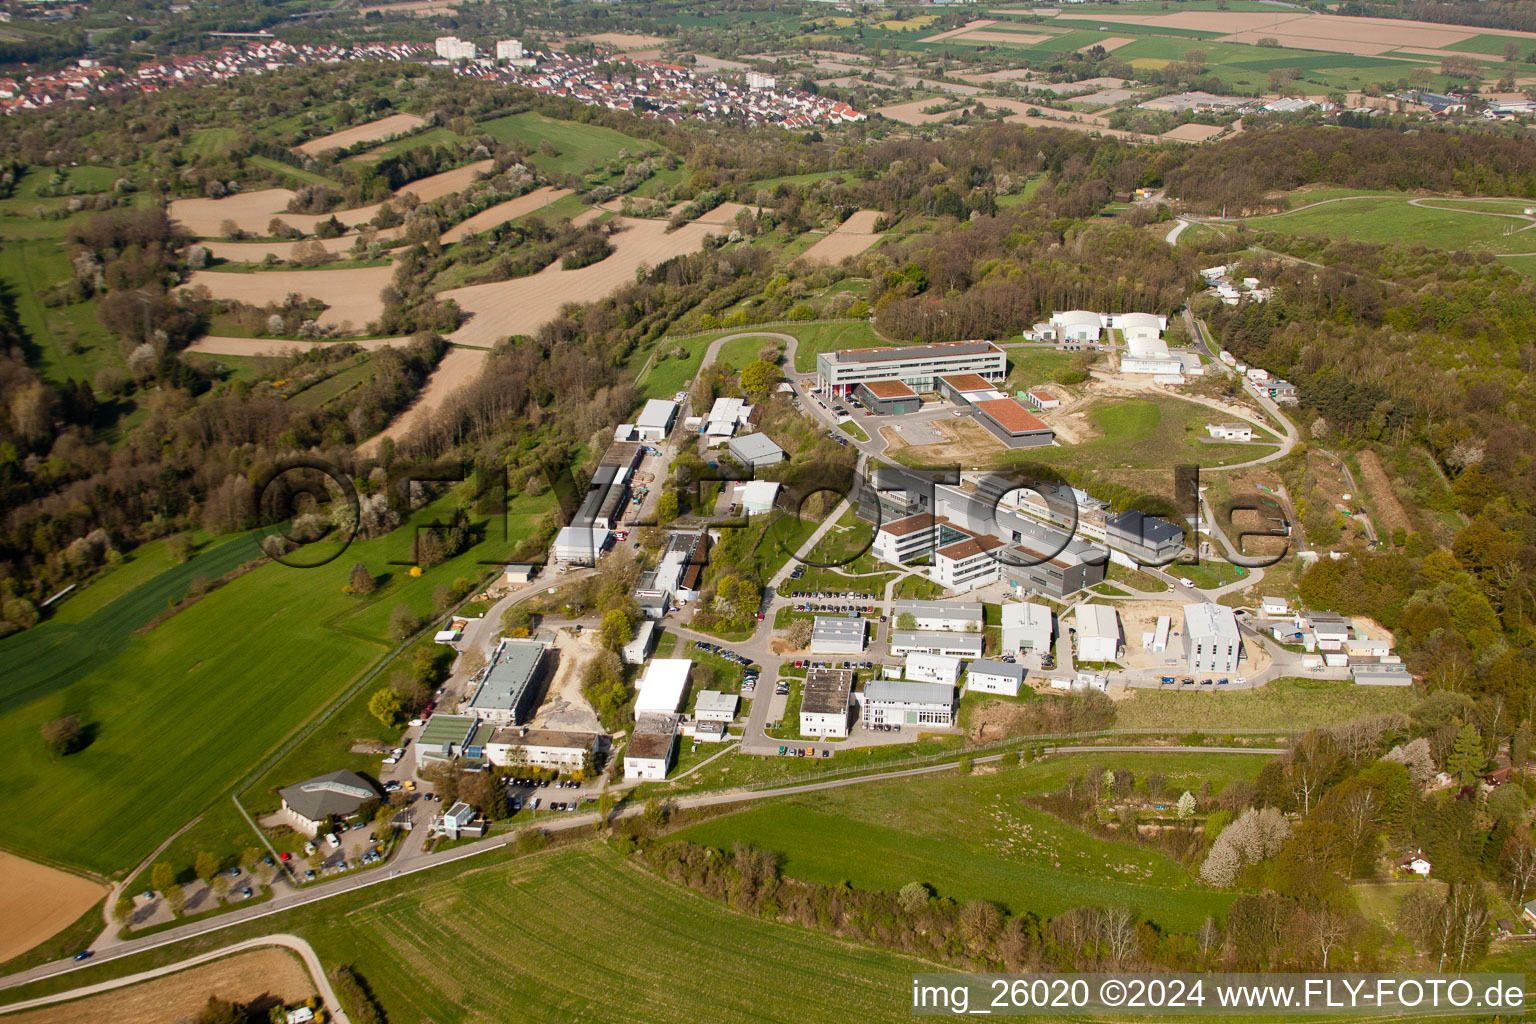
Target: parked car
x,y
391,759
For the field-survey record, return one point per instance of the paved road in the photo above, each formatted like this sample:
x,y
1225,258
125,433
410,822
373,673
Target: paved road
x,y
304,949
350,883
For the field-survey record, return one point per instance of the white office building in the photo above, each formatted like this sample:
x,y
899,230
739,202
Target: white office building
x,y
933,668
958,616
936,641
651,744
837,634
1026,627
907,702
714,706
917,366
758,496
509,49
1000,677
1098,632
1211,638
639,649
825,699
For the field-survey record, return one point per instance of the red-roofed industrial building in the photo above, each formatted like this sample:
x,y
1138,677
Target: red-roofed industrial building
x,y
1013,424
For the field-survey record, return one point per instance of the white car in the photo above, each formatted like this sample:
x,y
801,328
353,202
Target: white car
x,y
1187,582
416,723
333,840
680,397
392,759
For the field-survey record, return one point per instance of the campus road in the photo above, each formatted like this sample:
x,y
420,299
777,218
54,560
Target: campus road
x,y
304,949
350,883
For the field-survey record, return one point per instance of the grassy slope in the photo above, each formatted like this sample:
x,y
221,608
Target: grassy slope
x,y
577,146
1392,219
1143,432
187,709
970,838
581,935
1286,704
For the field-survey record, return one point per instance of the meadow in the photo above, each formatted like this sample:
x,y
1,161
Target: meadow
x,y
984,843
537,939
1447,224
1285,705
577,147
183,711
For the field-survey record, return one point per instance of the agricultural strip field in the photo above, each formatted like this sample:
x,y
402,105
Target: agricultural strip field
x,y
373,131
457,368
849,238
985,844
183,711
1287,705
499,214
276,974
38,901
535,940
351,296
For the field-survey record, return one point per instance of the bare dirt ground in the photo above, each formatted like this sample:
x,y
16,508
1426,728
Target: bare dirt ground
x,y
503,212
459,366
522,305
586,216
267,976
415,8
250,210
911,112
725,213
983,36
849,238
38,901
214,346
373,131
1388,508
625,40
435,186
969,26
1193,132
350,296
564,708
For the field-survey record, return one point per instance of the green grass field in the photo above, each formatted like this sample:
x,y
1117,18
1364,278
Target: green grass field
x,y
970,837
186,710
1285,705
1392,219
70,341
577,146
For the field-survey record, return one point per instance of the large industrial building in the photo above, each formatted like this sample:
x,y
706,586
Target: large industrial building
x,y
662,687
917,366
507,688
1098,632
1026,627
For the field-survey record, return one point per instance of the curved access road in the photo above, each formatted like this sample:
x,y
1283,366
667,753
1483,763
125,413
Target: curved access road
x,y
304,949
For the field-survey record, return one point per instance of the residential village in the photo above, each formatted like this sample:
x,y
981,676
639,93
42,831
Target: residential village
x,y
651,88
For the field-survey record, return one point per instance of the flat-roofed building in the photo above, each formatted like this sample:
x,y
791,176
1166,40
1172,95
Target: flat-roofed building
x,y
1042,400
755,451
651,745
655,420
908,702
906,539
1012,424
837,634
1212,642
1000,677
1026,627
968,563
917,366
542,748
966,388
639,649
1324,631
1230,431
1098,632
579,545
758,496
932,668
936,641
960,616
725,416
714,706
444,738
888,398
1147,539
826,696
507,688
663,686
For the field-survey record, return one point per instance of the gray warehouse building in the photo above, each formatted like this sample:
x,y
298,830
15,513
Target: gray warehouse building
x,y
838,634
755,450
888,397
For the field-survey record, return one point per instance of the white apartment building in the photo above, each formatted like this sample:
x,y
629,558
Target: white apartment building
x,y
509,49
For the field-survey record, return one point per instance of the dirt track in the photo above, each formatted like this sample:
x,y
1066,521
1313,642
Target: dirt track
x,y
524,304
38,901
1388,508
350,296
245,977
458,367
373,131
